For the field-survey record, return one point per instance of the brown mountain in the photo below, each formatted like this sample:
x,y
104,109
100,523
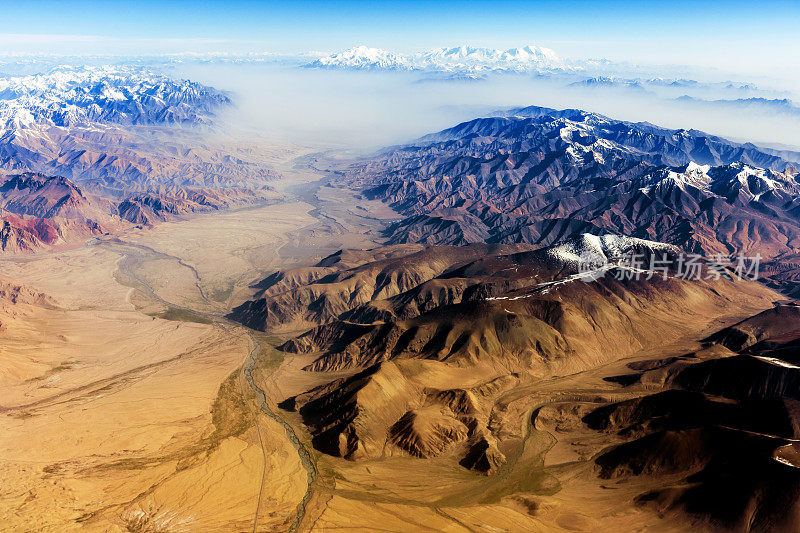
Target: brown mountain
x,y
339,283
39,211
540,176
168,202
427,353
724,431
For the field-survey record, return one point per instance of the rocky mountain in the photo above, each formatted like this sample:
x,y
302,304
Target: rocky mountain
x,y
169,202
539,175
41,196
723,432
39,212
425,343
501,358
71,96
124,128
25,235
315,295
90,150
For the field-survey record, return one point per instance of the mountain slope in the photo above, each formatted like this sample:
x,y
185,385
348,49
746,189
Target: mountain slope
x,y
39,212
422,345
69,96
540,175
723,433
120,128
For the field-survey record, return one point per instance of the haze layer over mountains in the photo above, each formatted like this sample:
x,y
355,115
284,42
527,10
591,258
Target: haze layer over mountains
x,y
449,337
226,303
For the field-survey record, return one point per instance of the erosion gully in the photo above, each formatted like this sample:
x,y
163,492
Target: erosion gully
x,y
135,255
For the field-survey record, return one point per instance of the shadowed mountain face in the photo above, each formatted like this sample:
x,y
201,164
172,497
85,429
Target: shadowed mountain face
x,y
724,431
43,196
351,281
430,341
540,176
39,211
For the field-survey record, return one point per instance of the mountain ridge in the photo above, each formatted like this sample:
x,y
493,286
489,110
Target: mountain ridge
x,y
39,211
539,175
453,59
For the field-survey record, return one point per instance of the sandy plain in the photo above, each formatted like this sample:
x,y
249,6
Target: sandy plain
x,y
131,404
125,406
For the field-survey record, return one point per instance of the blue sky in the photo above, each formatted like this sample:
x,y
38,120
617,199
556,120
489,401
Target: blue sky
x,y
750,36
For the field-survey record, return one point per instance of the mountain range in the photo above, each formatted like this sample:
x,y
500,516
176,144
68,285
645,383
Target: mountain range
x,y
435,342
71,96
540,175
455,59
40,212
721,435
777,106
118,129
458,63
660,84
503,358
493,356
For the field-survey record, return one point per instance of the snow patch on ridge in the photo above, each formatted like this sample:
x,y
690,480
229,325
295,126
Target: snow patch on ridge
x,y
600,250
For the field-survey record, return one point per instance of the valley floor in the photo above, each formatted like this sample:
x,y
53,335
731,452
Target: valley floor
x,y
131,404
124,403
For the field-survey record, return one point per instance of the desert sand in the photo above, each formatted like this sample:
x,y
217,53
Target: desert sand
x,y
131,403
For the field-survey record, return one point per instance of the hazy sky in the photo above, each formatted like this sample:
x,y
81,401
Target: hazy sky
x,y
737,36
749,41
366,110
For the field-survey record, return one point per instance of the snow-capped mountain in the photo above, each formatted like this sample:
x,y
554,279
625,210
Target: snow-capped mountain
x,y
455,59
71,96
541,175
113,126
466,63
467,58
737,183
592,136
364,58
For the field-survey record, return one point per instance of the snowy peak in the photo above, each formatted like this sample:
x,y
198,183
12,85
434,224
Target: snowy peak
x,y
454,59
735,182
488,58
692,175
746,183
363,58
534,53
85,96
586,133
